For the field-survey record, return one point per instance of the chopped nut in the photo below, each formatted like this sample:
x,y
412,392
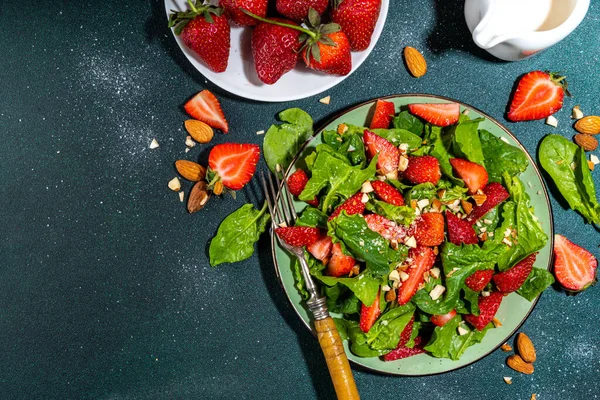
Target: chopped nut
x,y
392,175
506,347
413,204
483,229
282,225
552,121
576,113
465,112
508,380
462,331
422,203
325,100
354,271
487,221
490,234
479,198
394,275
189,142
559,162
594,159
505,140
403,276
390,295
403,148
507,242
590,165
411,242
181,196
436,251
467,206
441,193
402,163
351,149
436,205
364,198
483,236
436,292
154,144
452,271
367,187
386,288
187,149
260,132
496,322
381,178
426,276
342,128
485,293
174,184
435,272
533,397
507,232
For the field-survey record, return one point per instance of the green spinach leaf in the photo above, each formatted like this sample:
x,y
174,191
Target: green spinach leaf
x,y
447,343
312,217
403,215
465,140
405,120
501,156
282,142
537,281
399,136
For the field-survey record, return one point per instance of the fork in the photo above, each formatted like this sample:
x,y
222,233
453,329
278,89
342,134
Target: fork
x,y
327,334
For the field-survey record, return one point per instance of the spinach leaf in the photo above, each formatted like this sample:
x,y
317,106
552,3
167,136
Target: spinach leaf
x,y
405,120
577,186
341,300
447,343
537,281
282,142
501,156
349,145
299,283
237,234
312,217
364,285
399,214
440,148
465,140
399,136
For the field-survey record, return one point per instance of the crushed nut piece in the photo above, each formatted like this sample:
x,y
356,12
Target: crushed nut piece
x,y
462,331
367,187
394,275
590,165
508,380
505,140
325,100
436,251
426,276
552,121
402,163
390,295
342,128
441,193
181,196
467,206
422,203
437,292
594,159
174,184
189,142
364,198
411,242
485,293
506,347
403,148
435,272
260,132
354,271
479,199
386,288
436,205
154,144
403,276
497,322
576,113
533,397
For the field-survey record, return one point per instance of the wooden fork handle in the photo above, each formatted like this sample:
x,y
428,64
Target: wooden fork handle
x,y
337,362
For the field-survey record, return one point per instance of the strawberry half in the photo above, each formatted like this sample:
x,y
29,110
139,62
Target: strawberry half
x,y
478,280
513,278
423,259
441,114
429,229
495,194
298,235
422,169
441,320
234,163
406,333
574,266
205,107
387,193
339,264
538,95
474,175
369,314
404,352
488,306
460,230
382,117
296,184
389,155
353,205
321,249
386,228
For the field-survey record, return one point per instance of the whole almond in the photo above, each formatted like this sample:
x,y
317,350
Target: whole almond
x,y
198,197
199,131
190,170
589,125
589,143
218,188
415,62
519,365
525,348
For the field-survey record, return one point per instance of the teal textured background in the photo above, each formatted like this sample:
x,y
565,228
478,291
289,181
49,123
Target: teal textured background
x,y
105,287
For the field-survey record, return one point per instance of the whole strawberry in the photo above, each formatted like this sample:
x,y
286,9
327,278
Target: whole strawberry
x,y
234,11
297,10
206,31
357,19
275,50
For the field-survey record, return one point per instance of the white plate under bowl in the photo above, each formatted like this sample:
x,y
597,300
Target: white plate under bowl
x,y
240,77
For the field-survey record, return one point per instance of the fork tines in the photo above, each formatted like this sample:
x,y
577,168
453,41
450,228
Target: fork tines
x,y
280,202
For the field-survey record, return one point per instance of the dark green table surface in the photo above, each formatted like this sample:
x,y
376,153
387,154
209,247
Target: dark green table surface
x,y
105,287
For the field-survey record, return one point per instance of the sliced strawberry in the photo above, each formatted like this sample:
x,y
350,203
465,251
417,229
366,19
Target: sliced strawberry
x,y
495,194
298,235
429,229
442,114
474,175
386,228
406,333
478,280
339,263
297,182
389,155
441,320
423,259
513,278
574,266
422,169
488,306
387,193
205,107
353,205
404,352
460,230
321,249
369,314
382,117
235,163
538,95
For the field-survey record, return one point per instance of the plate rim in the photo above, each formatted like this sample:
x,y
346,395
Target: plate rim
x,y
497,123
336,80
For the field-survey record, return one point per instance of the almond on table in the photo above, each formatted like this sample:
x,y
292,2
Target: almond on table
x,y
415,62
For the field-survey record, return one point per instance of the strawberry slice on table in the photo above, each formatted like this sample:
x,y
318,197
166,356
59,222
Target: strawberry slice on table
x,y
234,11
441,320
386,228
353,205
205,107
423,259
460,230
429,229
298,9
388,154
440,114
234,163
495,194
488,306
321,249
296,184
382,117
474,175
478,280
369,314
574,266
339,264
538,95
298,235
422,169
513,278
357,19
404,352
388,193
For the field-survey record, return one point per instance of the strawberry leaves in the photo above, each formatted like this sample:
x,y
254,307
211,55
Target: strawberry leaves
x,y
180,19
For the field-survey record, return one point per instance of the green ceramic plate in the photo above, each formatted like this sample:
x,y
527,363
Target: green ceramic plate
x,y
514,310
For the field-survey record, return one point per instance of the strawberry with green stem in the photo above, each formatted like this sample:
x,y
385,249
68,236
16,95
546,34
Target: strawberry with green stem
x,y
357,19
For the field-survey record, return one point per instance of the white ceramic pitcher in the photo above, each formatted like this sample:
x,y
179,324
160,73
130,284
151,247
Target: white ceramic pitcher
x,y
513,30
